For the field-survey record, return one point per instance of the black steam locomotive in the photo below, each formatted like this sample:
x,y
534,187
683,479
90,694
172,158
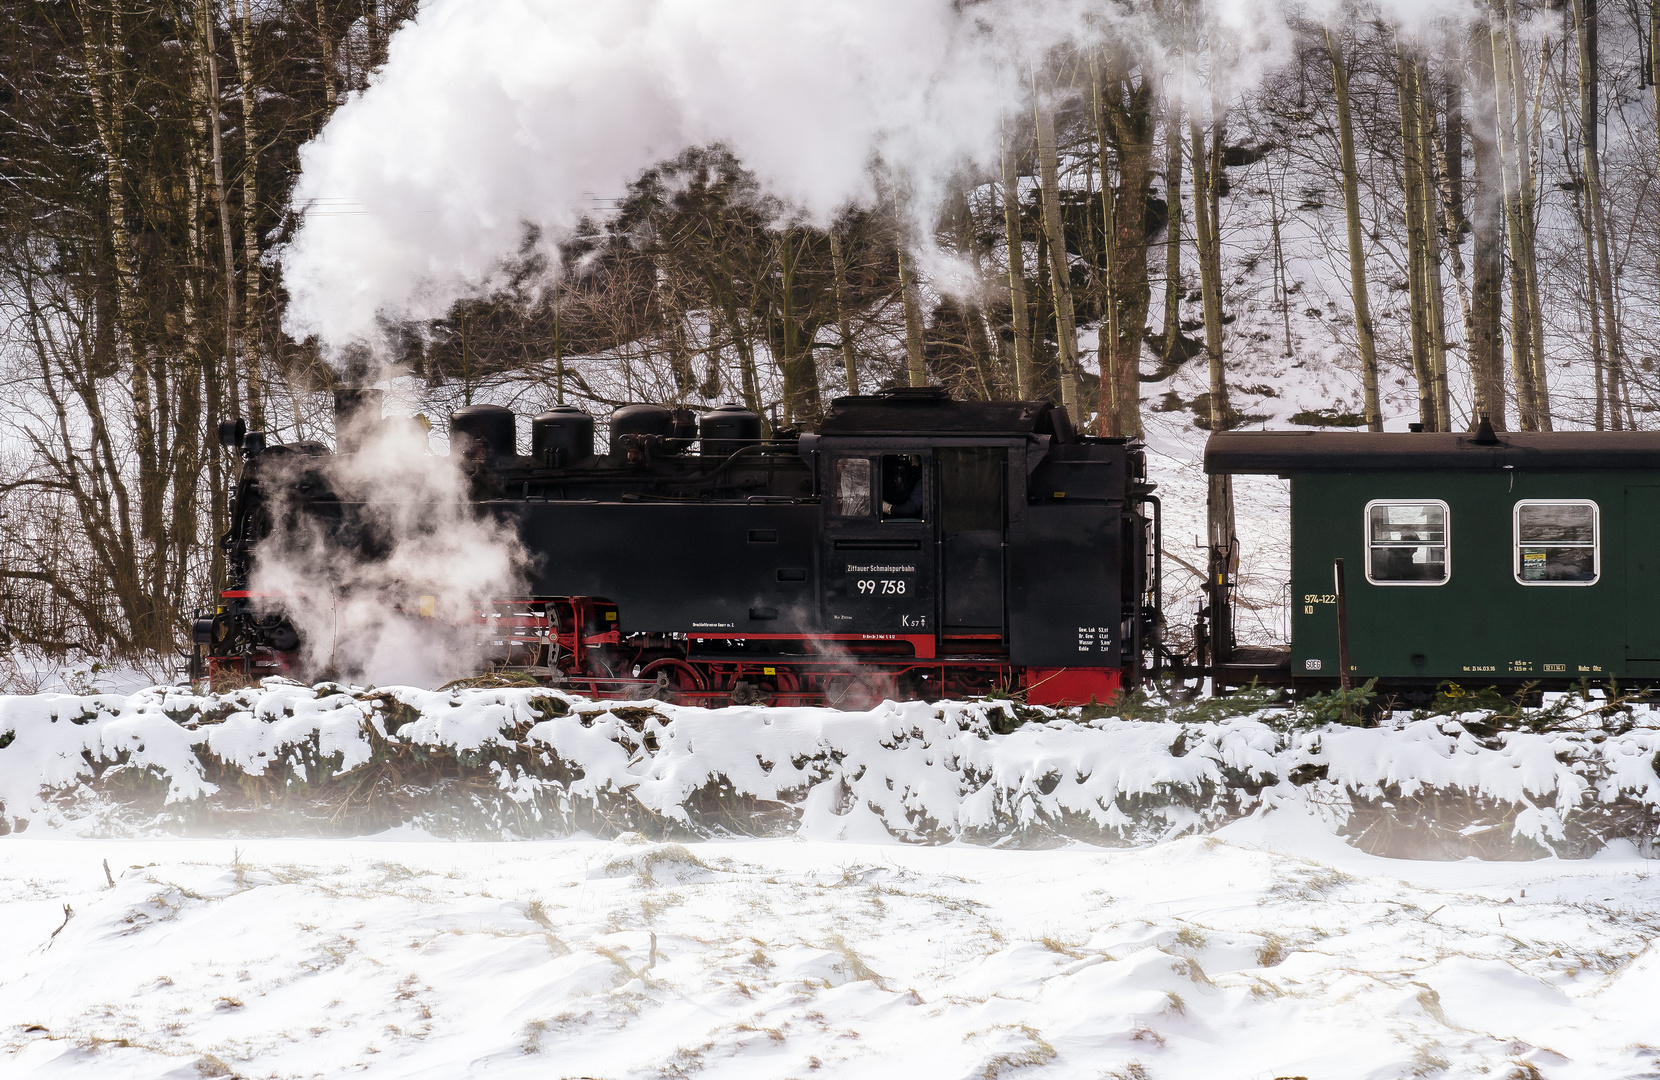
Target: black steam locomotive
x,y
913,546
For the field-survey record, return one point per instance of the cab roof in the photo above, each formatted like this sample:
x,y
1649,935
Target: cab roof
x,y
1291,452
930,410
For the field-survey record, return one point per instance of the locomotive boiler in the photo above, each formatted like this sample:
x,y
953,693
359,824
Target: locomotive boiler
x,y
912,546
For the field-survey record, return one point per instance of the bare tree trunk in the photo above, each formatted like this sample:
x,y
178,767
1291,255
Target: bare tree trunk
x,y
1223,548
1486,342
1411,173
1428,359
1449,155
377,39
1110,416
1060,273
1206,182
798,366
242,36
194,297
965,239
1282,285
1365,339
915,370
727,305
1132,125
1124,115
1044,368
1436,294
1019,316
1585,15
838,267
208,17
1592,288
1588,244
327,47
1521,322
1173,226
1452,158
1525,141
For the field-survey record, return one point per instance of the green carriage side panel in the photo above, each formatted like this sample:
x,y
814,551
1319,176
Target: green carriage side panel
x,y
1642,592
1481,625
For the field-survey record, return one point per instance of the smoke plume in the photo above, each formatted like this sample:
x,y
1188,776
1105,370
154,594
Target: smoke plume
x,y
490,117
387,590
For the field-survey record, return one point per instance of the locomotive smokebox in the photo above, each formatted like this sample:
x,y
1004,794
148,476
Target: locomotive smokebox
x,y
357,417
635,427
483,432
564,435
726,429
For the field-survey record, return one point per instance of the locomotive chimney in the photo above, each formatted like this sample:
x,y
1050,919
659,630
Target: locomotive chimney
x,y
357,417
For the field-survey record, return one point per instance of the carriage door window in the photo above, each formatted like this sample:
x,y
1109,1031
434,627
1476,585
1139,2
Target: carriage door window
x,y
1406,542
850,487
1556,542
902,487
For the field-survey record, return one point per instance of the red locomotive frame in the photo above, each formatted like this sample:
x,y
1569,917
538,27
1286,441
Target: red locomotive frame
x,y
575,643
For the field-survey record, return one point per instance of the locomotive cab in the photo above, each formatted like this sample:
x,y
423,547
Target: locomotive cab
x,y
987,530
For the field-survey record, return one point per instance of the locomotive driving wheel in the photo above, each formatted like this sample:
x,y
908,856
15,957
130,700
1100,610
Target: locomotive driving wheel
x,y
676,681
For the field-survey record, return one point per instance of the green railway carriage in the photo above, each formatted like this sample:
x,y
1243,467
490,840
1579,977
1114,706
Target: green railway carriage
x,y
1477,559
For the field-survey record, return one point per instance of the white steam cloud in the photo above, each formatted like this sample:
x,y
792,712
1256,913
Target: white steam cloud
x,y
390,591
491,115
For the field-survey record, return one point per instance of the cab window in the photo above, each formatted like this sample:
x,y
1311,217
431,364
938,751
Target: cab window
x,y
850,494
1407,542
1556,542
903,491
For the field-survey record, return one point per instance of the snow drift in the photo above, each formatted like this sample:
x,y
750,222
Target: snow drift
x,y
285,759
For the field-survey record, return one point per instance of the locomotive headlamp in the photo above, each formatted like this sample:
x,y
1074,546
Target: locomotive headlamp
x,y
211,629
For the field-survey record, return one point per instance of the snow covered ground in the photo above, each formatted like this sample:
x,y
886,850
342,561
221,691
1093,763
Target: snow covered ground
x,y
1244,937
1267,950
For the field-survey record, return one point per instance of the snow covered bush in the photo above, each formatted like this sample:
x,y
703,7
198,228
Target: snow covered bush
x,y
288,759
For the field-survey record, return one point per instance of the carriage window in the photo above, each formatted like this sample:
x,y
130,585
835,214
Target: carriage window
x,y
902,487
1556,542
850,487
1406,543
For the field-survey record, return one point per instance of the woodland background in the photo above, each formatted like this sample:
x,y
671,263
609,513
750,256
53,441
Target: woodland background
x,y
1453,222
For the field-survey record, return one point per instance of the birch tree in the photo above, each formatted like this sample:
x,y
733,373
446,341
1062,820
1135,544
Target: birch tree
x,y
1060,269
1365,339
